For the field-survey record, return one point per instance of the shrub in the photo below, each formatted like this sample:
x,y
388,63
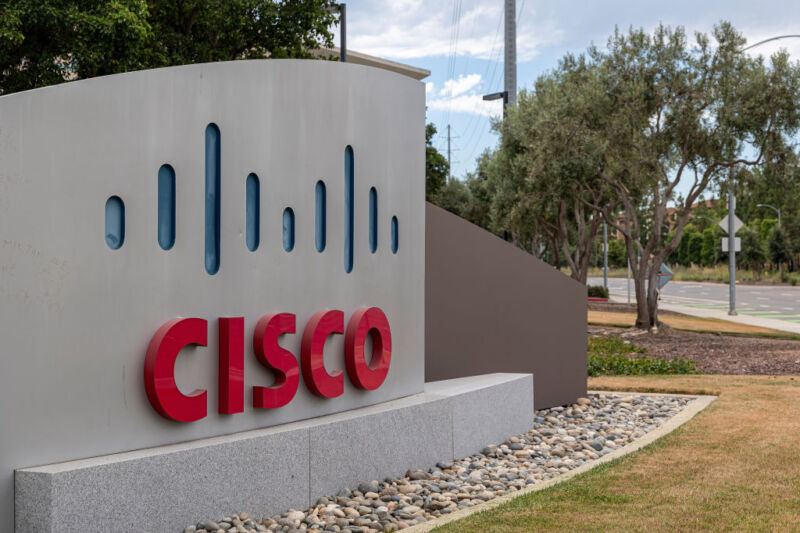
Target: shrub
x,y
609,356
597,291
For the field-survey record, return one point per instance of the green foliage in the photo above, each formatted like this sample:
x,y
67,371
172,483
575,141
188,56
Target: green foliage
x,y
610,356
597,291
778,246
455,197
711,251
43,42
436,167
752,255
612,346
681,253
617,253
694,249
766,227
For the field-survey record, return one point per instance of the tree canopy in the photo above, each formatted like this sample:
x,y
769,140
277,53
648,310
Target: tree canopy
x,y
44,42
436,167
614,134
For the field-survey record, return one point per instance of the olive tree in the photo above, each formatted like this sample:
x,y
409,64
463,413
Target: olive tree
x,y
682,115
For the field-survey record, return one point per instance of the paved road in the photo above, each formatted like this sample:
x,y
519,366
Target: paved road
x,y
779,302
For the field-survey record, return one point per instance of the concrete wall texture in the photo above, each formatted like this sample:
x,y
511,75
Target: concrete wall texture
x,y
76,316
268,471
491,307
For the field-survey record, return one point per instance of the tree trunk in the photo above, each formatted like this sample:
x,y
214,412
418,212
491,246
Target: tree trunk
x,y
642,308
652,295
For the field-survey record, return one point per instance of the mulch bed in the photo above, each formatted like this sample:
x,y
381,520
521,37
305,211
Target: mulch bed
x,y
714,353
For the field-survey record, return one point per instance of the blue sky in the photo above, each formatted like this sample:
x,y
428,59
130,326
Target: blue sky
x,y
421,33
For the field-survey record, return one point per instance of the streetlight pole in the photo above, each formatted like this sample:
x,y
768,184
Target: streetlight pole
x,y
777,210
732,201
342,10
732,249
605,255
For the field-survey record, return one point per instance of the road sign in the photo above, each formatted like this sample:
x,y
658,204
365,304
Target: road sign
x,y
737,243
737,224
664,276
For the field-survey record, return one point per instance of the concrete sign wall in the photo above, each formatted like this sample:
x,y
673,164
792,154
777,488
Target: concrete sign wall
x,y
130,200
491,307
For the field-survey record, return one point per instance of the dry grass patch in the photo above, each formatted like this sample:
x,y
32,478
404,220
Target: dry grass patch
x,y
733,467
685,323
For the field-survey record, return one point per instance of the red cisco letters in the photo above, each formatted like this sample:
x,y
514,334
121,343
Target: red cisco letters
x,y
159,366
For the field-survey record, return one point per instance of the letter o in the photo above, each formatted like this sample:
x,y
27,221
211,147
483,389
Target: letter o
x,y
368,321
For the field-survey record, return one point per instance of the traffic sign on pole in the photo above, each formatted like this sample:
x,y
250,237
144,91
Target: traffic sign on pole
x,y
737,243
664,276
737,224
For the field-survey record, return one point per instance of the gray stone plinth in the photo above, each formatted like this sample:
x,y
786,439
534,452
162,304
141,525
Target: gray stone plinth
x,y
268,471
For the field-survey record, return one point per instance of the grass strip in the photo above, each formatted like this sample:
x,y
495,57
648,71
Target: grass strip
x,y
732,468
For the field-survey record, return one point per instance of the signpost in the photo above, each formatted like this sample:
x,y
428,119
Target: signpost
x,y
730,225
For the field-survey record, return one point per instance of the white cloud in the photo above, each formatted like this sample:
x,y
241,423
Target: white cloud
x,y
467,103
429,88
460,85
408,29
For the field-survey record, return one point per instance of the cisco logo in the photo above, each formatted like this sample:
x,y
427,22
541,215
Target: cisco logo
x,y
115,211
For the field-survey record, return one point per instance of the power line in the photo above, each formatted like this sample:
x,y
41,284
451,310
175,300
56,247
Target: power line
x,y
474,122
508,46
451,69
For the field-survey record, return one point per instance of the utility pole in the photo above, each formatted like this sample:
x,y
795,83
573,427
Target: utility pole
x,y
510,49
449,171
732,246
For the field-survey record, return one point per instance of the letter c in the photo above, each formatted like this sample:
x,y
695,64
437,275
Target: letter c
x,y
319,328
159,370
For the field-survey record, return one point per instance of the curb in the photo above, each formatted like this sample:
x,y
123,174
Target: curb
x,y
700,402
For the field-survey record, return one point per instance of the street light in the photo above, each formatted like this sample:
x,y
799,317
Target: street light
x,y
768,40
498,96
774,209
780,265
707,218
342,10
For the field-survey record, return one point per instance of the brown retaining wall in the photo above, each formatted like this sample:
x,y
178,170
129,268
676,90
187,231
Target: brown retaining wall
x,y
491,307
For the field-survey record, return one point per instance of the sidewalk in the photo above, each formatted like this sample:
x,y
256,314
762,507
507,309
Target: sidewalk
x,y
772,323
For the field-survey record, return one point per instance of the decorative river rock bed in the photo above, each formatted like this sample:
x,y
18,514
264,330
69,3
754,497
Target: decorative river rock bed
x,y
562,438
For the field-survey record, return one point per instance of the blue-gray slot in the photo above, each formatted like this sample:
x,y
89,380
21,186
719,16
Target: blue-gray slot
x,y
373,220
166,207
288,229
348,209
321,221
115,222
252,212
212,198
395,235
